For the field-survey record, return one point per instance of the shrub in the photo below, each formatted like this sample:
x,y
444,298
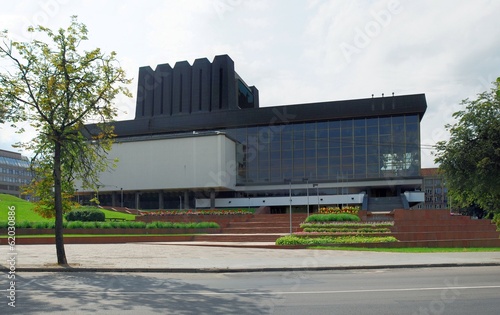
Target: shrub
x,y
137,225
86,215
104,225
332,217
74,225
123,225
40,225
323,240
24,225
89,225
496,220
347,230
182,225
351,224
4,225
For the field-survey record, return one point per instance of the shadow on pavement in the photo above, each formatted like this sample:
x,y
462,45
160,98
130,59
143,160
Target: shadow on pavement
x,y
109,293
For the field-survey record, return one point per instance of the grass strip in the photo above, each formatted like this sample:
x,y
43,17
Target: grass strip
x,y
99,235
412,249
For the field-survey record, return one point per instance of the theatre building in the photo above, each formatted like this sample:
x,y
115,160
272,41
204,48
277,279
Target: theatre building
x,y
200,140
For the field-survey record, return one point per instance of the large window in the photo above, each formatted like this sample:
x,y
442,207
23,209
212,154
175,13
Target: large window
x,y
336,150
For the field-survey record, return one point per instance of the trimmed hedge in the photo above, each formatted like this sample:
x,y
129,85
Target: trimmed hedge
x,y
332,217
115,225
86,215
347,225
348,230
324,240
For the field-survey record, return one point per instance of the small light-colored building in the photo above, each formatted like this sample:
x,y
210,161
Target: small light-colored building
x,y
434,188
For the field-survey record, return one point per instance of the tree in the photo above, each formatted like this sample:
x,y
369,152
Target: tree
x,y
57,88
470,159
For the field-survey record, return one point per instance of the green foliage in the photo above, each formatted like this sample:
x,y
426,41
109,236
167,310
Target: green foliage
x,y
56,87
332,217
470,159
114,214
323,240
352,225
104,225
496,220
74,225
86,215
347,230
24,225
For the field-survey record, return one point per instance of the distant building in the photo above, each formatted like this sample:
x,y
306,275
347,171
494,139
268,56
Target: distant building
x,y
200,140
436,193
14,172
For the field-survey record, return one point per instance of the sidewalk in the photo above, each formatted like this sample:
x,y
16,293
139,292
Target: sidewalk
x,y
179,257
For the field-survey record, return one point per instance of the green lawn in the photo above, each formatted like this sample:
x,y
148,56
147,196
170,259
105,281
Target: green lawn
x,y
25,212
99,235
412,249
24,209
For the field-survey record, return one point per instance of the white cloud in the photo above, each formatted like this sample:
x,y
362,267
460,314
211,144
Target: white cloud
x,y
292,51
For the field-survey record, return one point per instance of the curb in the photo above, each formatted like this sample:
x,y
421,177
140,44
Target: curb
x,y
244,270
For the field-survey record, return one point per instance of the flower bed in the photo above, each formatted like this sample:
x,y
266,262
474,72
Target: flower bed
x,y
337,210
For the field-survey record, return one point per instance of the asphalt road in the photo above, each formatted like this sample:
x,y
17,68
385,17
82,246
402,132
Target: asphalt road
x,y
464,290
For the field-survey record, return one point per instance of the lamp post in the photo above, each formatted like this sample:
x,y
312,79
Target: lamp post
x,y
307,192
290,194
97,195
317,193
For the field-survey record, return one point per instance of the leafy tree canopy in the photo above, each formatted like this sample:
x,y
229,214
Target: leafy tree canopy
x,y
470,159
57,87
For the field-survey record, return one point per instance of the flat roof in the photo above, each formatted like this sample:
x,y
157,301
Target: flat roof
x,y
415,104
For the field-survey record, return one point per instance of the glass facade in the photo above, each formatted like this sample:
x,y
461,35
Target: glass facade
x,y
339,150
14,172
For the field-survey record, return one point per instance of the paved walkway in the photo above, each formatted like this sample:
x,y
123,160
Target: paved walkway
x,y
181,257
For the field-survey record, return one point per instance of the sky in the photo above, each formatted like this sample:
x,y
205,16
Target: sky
x,y
296,51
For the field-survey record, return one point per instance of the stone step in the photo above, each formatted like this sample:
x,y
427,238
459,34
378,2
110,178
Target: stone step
x,y
271,237
451,235
255,230
262,224
443,228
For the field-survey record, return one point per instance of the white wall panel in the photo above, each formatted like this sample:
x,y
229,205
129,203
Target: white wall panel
x,y
179,163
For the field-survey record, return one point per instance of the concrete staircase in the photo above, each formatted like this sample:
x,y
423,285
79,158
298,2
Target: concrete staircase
x,y
438,228
266,223
385,203
258,228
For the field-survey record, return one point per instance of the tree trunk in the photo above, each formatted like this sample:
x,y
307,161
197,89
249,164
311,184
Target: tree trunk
x,y
58,205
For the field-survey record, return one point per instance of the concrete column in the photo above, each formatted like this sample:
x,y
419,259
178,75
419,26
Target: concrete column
x,y
160,199
137,200
113,199
212,199
186,200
